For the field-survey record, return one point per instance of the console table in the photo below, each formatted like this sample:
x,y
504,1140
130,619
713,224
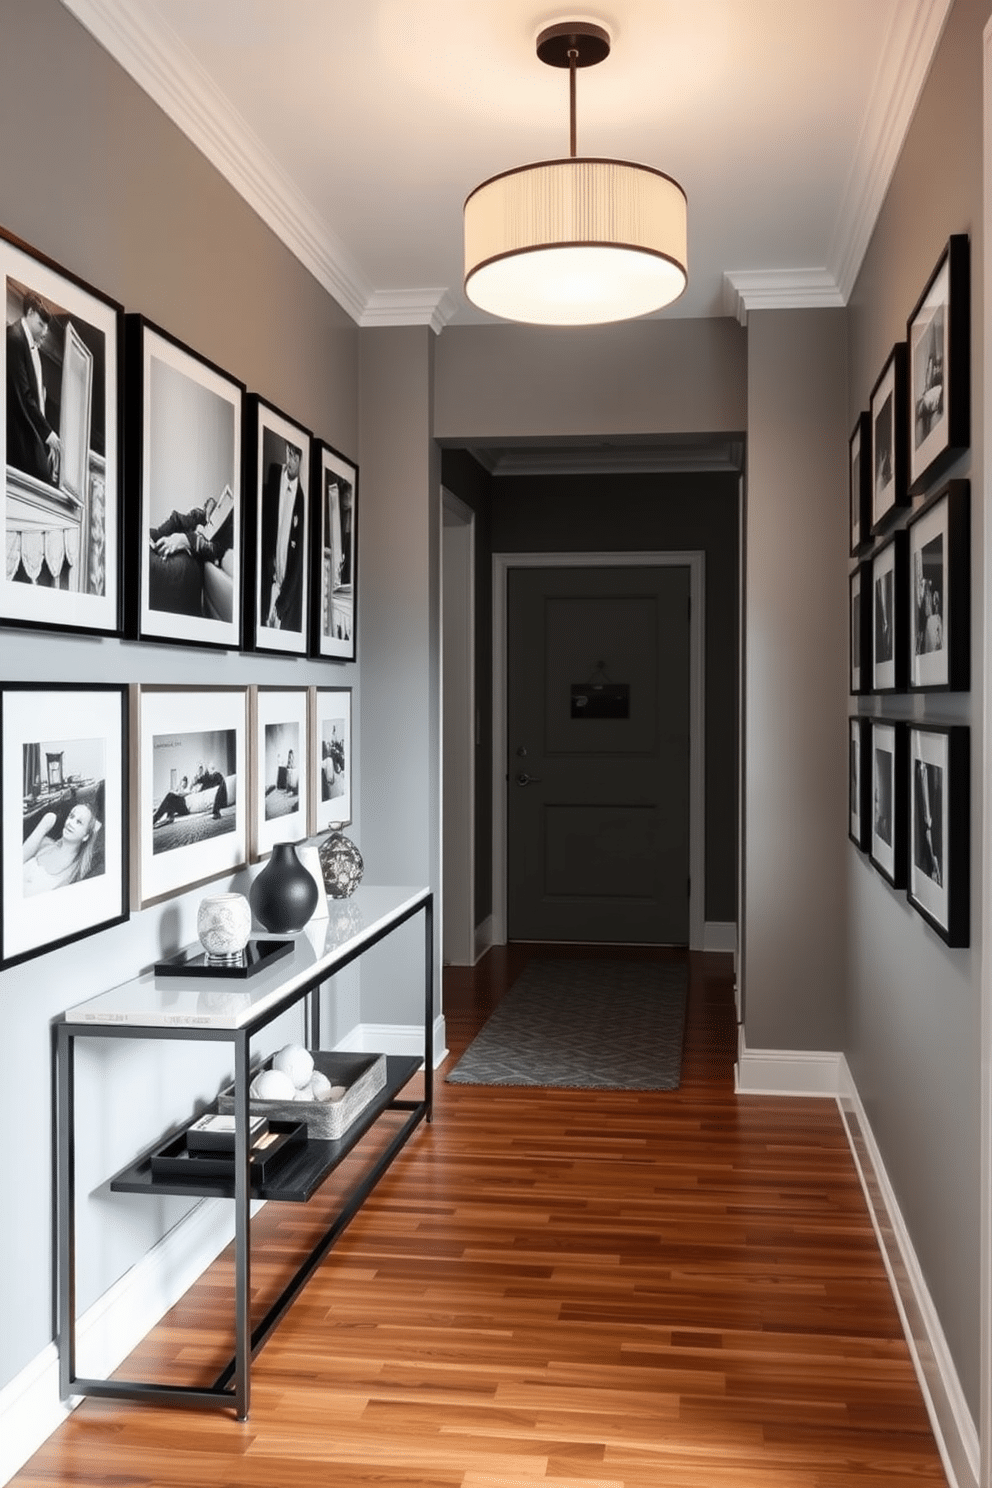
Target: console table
x,y
187,1008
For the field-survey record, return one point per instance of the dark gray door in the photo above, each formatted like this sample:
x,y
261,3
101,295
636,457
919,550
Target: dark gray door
x,y
598,754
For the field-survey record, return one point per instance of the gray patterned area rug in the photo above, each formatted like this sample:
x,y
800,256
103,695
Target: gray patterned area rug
x,y
587,1025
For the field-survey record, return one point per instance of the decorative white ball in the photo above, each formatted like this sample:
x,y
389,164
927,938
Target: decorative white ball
x,y
296,1062
272,1084
320,1086
223,923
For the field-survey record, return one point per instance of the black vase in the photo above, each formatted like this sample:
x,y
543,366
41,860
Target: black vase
x,y
284,895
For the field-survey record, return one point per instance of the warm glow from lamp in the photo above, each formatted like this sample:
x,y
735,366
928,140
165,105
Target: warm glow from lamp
x,y
579,241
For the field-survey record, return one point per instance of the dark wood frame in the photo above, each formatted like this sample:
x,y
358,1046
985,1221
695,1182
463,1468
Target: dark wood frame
x,y
264,419
890,494
859,629
165,427
70,915
328,463
73,304
947,289
953,674
858,788
891,557
945,907
859,484
889,858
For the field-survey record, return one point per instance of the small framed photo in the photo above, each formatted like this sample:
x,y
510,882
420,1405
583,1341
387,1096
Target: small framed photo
x,y
887,840
889,584
939,808
280,774
335,544
62,442
859,483
938,602
331,758
184,469
938,335
277,557
189,788
888,439
64,860
859,611
859,776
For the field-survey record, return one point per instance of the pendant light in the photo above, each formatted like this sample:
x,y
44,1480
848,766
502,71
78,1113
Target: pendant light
x,y
580,241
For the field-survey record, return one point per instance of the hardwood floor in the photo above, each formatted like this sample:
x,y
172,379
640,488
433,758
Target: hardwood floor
x,y
624,1290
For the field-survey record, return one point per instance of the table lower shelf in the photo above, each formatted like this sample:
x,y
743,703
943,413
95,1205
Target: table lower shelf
x,y
305,1168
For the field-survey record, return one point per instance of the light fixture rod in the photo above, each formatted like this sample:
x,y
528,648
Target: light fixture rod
x,y
573,62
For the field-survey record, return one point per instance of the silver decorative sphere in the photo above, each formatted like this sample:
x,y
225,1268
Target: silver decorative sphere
x,y
341,865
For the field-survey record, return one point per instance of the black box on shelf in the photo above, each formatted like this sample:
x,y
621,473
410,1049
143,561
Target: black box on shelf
x,y
176,1159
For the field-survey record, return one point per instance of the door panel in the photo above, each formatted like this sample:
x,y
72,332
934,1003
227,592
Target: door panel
x,y
598,748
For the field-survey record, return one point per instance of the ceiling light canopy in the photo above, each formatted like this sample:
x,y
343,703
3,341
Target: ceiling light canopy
x,y
579,241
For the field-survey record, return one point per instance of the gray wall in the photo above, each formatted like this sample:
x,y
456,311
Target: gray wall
x,y
914,1019
94,175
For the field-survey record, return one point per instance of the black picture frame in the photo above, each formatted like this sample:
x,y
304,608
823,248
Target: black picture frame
x,y
62,444
184,465
889,440
858,789
334,613
189,788
887,809
276,584
859,484
939,805
938,597
889,615
859,629
64,852
938,336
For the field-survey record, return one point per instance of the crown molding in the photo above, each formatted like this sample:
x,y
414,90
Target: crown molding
x,y
406,307
151,54
745,290
914,33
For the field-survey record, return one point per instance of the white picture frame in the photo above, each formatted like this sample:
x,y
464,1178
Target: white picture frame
x,y
280,767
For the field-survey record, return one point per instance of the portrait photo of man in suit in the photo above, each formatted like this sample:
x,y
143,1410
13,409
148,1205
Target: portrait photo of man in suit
x,y
33,443
283,544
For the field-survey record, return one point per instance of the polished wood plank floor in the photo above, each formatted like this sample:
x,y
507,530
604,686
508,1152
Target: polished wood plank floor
x,y
673,1289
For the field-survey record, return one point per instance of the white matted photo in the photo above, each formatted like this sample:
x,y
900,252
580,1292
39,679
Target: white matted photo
x,y
280,767
335,607
939,793
189,788
63,765
888,438
331,757
939,600
887,840
61,438
280,475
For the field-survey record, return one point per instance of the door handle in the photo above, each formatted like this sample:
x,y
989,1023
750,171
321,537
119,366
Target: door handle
x,y
524,779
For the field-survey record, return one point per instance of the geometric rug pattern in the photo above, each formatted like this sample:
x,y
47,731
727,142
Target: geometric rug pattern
x,y
584,1025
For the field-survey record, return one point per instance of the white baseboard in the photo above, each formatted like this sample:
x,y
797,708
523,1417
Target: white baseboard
x,y
953,1426
786,1072
30,1408
483,937
720,935
394,1038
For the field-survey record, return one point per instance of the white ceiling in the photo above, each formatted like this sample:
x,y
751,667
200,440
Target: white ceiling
x,y
357,127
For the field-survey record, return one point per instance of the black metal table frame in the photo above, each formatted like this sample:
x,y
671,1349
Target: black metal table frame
x,y
233,1385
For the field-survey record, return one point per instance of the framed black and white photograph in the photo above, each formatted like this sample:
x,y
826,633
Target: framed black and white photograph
x,y
64,860
184,467
335,541
331,757
280,751
939,804
859,776
938,335
859,483
62,441
277,558
938,603
189,788
859,628
889,583
888,416
887,833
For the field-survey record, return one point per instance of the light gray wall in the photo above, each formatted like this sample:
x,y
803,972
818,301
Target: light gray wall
x,y
914,1021
795,625
92,174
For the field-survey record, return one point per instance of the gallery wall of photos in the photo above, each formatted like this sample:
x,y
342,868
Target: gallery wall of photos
x,y
151,496
910,605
